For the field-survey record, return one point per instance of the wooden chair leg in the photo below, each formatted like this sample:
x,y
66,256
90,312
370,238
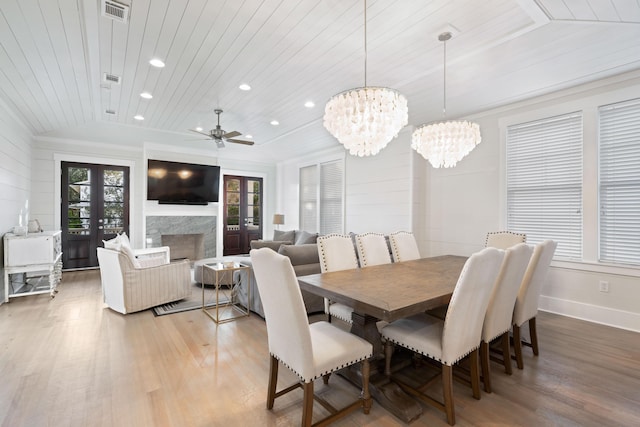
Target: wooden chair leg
x,y
517,346
506,353
307,405
484,361
273,380
366,395
388,351
534,335
447,391
474,373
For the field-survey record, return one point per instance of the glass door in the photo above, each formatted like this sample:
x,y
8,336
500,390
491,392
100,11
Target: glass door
x,y
242,213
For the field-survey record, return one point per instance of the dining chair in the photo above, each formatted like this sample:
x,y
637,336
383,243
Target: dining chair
x,y
372,249
526,307
450,340
403,246
497,320
504,239
337,253
311,351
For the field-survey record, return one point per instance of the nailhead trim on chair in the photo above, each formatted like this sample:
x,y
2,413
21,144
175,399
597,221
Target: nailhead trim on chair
x,y
344,365
431,356
524,236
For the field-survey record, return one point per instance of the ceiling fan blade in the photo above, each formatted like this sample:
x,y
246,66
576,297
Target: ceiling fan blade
x,y
231,134
201,133
239,141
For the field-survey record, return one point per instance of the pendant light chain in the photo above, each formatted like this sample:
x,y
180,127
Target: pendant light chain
x,y
444,84
365,43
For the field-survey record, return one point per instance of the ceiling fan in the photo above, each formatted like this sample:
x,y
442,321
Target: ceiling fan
x,y
220,136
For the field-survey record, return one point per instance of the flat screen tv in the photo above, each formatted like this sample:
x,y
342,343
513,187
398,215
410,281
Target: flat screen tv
x,y
182,183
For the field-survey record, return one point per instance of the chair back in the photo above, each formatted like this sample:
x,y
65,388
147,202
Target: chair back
x,y
372,249
403,246
284,312
526,306
336,253
468,305
497,320
504,239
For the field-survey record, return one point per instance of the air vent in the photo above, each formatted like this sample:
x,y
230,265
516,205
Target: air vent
x,y
114,10
111,78
111,112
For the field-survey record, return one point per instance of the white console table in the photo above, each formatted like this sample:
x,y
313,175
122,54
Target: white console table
x,y
32,253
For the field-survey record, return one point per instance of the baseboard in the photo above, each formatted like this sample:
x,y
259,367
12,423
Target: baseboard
x,y
591,313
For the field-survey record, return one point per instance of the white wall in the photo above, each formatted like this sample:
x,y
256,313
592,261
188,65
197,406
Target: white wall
x,y
15,173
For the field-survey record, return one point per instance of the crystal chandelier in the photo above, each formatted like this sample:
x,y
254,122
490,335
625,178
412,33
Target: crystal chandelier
x,y
365,119
445,143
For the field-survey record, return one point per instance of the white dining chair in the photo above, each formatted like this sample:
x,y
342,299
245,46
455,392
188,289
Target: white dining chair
x,y
497,320
526,307
311,351
403,246
450,340
337,253
372,249
504,239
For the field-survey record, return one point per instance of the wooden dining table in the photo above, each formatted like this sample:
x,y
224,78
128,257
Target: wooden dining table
x,y
388,292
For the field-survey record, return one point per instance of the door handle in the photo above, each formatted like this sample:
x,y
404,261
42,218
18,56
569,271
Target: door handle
x,y
100,227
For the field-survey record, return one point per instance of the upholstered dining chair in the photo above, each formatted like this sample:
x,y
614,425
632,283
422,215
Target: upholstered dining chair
x,y
337,253
372,249
450,340
403,246
504,239
526,307
497,320
311,351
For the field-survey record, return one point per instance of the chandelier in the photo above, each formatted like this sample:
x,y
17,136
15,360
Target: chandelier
x,y
445,143
365,119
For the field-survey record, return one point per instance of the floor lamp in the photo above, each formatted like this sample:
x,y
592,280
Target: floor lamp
x,y
278,220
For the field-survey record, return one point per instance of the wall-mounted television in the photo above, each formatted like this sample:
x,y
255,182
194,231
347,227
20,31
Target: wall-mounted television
x,y
182,183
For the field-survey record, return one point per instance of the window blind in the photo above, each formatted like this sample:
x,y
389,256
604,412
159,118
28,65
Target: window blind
x,y
331,195
309,198
619,173
544,182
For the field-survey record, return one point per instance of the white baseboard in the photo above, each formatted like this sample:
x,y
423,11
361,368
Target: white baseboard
x,y
592,313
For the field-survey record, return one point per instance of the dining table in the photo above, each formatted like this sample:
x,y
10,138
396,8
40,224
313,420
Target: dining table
x,y
388,292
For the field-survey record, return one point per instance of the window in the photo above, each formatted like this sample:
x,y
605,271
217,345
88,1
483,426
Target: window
x,y
321,197
619,187
544,181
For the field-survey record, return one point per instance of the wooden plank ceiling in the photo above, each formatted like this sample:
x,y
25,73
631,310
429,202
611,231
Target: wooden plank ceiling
x,y
54,53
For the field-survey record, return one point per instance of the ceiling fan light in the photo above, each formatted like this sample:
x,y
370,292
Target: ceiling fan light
x,y
199,129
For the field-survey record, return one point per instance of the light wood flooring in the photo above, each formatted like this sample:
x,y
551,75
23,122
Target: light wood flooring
x,y
69,361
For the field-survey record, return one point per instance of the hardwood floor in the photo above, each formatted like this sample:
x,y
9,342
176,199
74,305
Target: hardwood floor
x,y
69,361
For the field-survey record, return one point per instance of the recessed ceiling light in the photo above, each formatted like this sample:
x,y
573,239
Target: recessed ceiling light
x,y
138,117
309,104
156,63
275,122
249,136
199,129
146,95
244,86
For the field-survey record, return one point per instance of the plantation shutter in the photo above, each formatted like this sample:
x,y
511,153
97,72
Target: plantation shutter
x,y
309,198
544,182
620,182
331,191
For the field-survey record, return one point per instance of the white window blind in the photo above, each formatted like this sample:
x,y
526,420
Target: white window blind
x,y
331,195
544,182
620,182
309,198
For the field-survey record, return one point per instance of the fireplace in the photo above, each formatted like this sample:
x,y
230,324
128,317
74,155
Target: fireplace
x,y
192,237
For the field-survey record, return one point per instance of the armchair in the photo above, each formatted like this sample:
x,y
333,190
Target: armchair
x,y
127,288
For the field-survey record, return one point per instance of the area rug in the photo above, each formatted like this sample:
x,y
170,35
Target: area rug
x,y
193,302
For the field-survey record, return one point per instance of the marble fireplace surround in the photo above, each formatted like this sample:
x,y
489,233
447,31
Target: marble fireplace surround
x,y
159,225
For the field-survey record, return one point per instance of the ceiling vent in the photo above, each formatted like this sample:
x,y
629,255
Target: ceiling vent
x,y
111,78
114,10
111,112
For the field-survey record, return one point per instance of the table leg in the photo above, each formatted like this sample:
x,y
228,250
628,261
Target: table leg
x,y
388,394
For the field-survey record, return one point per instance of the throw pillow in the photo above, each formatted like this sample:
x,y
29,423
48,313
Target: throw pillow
x,y
271,244
288,236
113,244
305,237
125,248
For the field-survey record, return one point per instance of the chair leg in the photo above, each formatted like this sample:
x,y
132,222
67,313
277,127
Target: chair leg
x,y
388,351
474,373
447,391
366,395
534,335
517,346
484,361
307,405
506,353
273,380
